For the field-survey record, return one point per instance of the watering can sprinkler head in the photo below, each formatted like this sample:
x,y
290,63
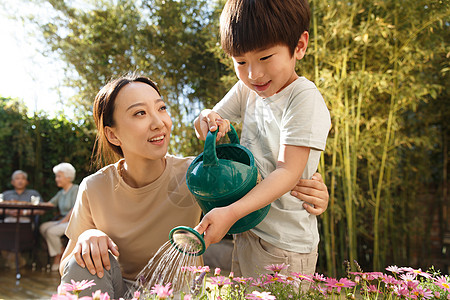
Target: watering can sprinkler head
x,y
187,240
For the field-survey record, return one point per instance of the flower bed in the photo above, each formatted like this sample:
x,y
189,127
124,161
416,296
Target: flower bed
x,y
400,283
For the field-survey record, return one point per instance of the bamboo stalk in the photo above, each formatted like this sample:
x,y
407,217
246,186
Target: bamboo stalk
x,y
348,181
326,215
376,251
333,197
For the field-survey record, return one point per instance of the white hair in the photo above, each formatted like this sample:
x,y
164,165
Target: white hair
x,y
67,169
18,172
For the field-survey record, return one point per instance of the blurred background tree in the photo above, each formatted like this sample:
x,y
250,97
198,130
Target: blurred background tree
x,y
382,68
169,41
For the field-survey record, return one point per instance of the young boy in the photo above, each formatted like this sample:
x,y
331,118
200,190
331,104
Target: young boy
x,y
285,126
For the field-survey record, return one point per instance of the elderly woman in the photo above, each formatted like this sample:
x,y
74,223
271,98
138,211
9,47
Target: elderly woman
x,y
64,200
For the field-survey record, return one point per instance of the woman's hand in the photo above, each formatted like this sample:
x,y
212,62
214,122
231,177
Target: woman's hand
x,y
91,251
209,120
314,193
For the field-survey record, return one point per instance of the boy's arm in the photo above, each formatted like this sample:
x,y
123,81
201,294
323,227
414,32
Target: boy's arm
x,y
291,163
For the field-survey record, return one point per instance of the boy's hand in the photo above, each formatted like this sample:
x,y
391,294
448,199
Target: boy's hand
x,y
209,120
314,192
215,224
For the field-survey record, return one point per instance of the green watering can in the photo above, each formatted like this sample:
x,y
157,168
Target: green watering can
x,y
223,174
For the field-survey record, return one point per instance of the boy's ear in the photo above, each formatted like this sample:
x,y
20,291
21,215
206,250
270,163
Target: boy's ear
x,y
111,136
302,44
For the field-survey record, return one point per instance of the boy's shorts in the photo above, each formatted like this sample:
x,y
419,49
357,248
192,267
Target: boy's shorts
x,y
251,254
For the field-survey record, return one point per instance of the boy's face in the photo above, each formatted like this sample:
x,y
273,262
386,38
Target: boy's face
x,y
266,71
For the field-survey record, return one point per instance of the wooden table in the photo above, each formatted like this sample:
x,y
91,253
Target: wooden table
x,y
17,236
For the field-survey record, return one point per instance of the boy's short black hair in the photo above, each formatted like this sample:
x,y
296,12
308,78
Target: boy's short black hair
x,y
248,25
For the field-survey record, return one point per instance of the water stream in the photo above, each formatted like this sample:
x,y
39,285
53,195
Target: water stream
x,y
166,266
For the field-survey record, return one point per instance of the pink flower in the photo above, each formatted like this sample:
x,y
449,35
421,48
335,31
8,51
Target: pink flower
x,y
419,293
290,279
276,268
61,289
136,295
260,295
388,279
425,293
276,278
407,269
77,286
319,277
65,297
220,281
373,275
195,269
408,277
443,282
412,284
401,291
437,294
98,295
217,272
395,269
258,282
302,277
187,297
242,280
342,283
319,289
162,291
418,272
373,289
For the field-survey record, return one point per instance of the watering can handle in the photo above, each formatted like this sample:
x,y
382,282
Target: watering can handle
x,y
209,154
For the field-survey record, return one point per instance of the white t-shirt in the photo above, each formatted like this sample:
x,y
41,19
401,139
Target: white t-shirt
x,y
296,116
138,220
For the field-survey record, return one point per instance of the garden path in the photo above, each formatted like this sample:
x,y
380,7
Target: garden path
x,y
33,284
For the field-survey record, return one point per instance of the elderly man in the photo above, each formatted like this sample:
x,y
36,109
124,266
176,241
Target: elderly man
x,y
19,180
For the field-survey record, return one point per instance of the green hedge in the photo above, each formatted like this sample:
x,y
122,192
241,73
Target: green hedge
x,y
36,144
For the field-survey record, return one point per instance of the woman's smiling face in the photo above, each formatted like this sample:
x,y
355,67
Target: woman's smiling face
x,y
142,125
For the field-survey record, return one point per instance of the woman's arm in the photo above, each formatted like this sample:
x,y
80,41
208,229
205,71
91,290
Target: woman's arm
x,y
313,192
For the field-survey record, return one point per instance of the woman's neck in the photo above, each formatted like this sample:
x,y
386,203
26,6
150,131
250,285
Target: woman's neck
x,y
138,174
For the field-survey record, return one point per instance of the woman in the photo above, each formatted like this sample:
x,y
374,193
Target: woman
x,y
64,200
129,207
